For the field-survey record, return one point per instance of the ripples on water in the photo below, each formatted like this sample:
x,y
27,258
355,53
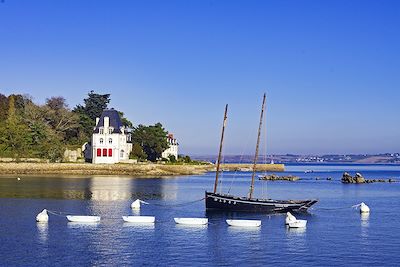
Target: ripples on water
x,y
336,235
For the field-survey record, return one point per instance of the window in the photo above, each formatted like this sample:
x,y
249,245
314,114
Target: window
x,y
101,131
110,130
99,152
104,152
110,141
101,141
122,154
110,152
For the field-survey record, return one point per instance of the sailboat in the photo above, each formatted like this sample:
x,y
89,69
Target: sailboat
x,y
227,202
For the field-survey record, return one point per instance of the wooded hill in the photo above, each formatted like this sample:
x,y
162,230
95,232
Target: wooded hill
x,y
45,131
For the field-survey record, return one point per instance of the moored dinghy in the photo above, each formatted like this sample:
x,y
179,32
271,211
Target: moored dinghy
x,y
244,223
298,224
191,221
83,219
139,219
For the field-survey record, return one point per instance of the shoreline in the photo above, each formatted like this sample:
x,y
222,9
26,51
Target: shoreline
x,y
136,170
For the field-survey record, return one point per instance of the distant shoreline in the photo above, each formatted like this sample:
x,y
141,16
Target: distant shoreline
x,y
135,170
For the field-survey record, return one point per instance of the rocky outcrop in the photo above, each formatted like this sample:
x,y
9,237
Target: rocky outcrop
x,y
359,179
274,177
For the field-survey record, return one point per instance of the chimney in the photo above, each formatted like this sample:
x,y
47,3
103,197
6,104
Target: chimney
x,y
97,121
106,122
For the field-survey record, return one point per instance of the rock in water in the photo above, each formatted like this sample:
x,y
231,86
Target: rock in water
x,y
42,216
359,179
347,178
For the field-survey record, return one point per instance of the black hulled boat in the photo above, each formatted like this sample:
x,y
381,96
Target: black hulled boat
x,y
225,202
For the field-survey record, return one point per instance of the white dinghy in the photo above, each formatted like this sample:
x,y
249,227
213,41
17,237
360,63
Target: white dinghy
x,y
191,221
83,219
42,216
298,224
139,219
244,223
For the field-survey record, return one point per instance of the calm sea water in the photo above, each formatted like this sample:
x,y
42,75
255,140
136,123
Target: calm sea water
x,y
336,234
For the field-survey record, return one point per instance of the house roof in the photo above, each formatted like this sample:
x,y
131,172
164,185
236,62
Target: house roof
x,y
115,120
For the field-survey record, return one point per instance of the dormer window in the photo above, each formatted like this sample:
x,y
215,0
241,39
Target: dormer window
x,y
110,141
110,130
101,141
101,131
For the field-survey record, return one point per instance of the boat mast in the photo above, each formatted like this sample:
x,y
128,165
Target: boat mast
x,y
256,155
220,149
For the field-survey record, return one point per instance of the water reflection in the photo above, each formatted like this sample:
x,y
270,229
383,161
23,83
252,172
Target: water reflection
x,y
140,226
191,227
82,225
42,228
364,219
254,231
296,239
290,232
98,188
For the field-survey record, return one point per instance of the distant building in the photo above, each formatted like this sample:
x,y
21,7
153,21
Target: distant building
x,y
173,147
110,140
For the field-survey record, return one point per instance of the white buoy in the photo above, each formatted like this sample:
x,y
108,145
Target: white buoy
x,y
42,216
364,208
289,218
136,204
18,179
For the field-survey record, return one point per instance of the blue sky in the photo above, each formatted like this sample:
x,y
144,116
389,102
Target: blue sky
x,y
331,69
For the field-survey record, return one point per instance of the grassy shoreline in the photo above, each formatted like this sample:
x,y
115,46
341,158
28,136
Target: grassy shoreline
x,y
136,170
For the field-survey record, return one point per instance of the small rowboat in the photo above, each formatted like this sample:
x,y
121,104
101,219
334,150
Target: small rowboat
x,y
139,219
84,219
191,221
298,224
244,223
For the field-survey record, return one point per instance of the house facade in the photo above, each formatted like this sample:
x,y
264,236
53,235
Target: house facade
x,y
173,147
110,139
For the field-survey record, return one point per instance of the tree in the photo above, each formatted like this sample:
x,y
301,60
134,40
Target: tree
x,y
125,122
93,106
137,153
152,140
13,135
59,117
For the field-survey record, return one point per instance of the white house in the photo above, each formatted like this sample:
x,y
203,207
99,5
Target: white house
x,y
110,139
173,147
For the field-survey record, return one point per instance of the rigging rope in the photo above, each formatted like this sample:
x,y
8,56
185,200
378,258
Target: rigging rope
x,y
338,208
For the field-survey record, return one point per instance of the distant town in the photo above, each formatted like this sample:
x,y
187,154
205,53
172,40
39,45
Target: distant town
x,y
386,158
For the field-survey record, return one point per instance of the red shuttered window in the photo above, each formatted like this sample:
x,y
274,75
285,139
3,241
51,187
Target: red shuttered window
x,y
110,152
99,152
104,152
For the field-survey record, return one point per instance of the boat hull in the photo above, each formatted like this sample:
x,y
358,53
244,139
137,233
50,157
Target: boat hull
x,y
215,201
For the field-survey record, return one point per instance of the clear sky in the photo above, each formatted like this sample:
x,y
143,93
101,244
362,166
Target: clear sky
x,y
331,69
